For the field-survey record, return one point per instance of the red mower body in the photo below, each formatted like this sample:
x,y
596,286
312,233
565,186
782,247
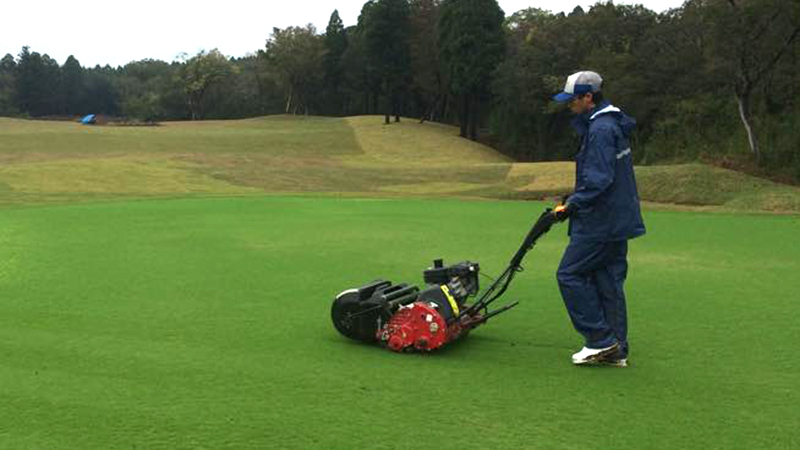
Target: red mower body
x,y
418,326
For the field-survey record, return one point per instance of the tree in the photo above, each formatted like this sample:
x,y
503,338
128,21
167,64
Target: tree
x,y
270,97
524,120
247,93
539,56
429,83
747,39
472,45
362,79
72,87
36,84
335,46
296,56
201,72
102,96
8,69
386,32
152,90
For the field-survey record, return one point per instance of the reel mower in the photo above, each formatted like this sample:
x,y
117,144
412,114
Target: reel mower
x,y
404,317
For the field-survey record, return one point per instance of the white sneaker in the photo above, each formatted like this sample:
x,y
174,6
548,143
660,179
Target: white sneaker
x,y
593,355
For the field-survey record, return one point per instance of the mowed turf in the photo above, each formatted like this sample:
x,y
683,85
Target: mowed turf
x,y
204,323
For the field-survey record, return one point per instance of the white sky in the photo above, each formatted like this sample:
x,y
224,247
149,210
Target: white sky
x,y
115,32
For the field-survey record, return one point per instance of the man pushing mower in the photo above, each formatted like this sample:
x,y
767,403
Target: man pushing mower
x,y
603,214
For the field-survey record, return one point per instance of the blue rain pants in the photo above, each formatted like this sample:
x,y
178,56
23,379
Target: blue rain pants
x,y
591,277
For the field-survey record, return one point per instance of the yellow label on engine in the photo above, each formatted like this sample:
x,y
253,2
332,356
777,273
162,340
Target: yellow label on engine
x,y
450,299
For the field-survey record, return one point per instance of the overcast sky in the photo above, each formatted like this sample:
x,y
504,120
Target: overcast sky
x,y
115,32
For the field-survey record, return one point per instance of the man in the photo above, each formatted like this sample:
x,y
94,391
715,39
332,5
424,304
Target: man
x,y
604,214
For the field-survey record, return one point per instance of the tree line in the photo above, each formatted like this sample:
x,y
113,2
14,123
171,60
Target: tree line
x,y
711,79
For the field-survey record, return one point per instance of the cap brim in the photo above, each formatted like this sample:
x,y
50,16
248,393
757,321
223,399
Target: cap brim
x,y
563,97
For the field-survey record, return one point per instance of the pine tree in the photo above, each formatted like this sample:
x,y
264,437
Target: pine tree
x,y
386,37
472,43
72,86
335,46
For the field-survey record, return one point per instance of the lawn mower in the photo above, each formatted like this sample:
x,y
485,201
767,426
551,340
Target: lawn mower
x,y
404,317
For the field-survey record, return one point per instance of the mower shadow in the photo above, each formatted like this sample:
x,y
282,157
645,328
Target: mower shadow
x,y
470,343
452,348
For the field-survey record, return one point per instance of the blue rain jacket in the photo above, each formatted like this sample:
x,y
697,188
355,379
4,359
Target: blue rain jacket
x,y
605,201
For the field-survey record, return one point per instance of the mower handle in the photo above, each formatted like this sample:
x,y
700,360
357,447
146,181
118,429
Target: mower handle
x,y
542,226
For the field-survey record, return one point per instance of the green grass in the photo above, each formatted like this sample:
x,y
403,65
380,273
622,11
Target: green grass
x,y
702,185
58,162
204,323
153,297
281,135
67,162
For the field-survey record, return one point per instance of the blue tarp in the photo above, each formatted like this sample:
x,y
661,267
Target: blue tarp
x,y
88,120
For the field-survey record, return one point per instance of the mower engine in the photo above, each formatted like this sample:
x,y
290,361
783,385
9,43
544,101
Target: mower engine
x,y
403,317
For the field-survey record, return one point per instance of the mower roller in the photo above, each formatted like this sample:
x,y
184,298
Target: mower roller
x,y
404,317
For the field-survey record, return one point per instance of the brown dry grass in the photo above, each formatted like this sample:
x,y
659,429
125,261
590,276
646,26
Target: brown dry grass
x,y
42,161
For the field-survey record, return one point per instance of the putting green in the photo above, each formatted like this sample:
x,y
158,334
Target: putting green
x,y
204,323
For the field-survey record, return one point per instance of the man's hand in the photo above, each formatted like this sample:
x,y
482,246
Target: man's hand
x,y
562,212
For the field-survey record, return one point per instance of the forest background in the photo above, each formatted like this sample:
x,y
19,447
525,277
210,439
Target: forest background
x,y
713,80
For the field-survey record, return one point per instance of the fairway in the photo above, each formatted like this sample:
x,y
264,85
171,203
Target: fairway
x,y
204,323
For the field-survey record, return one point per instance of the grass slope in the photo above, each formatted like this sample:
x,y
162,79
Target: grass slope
x,y
205,324
695,185
68,162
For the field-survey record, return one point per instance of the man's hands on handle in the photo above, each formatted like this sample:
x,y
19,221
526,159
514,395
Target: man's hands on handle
x,y
563,211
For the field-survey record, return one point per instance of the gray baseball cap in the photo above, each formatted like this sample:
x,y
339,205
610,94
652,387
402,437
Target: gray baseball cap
x,y
580,83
